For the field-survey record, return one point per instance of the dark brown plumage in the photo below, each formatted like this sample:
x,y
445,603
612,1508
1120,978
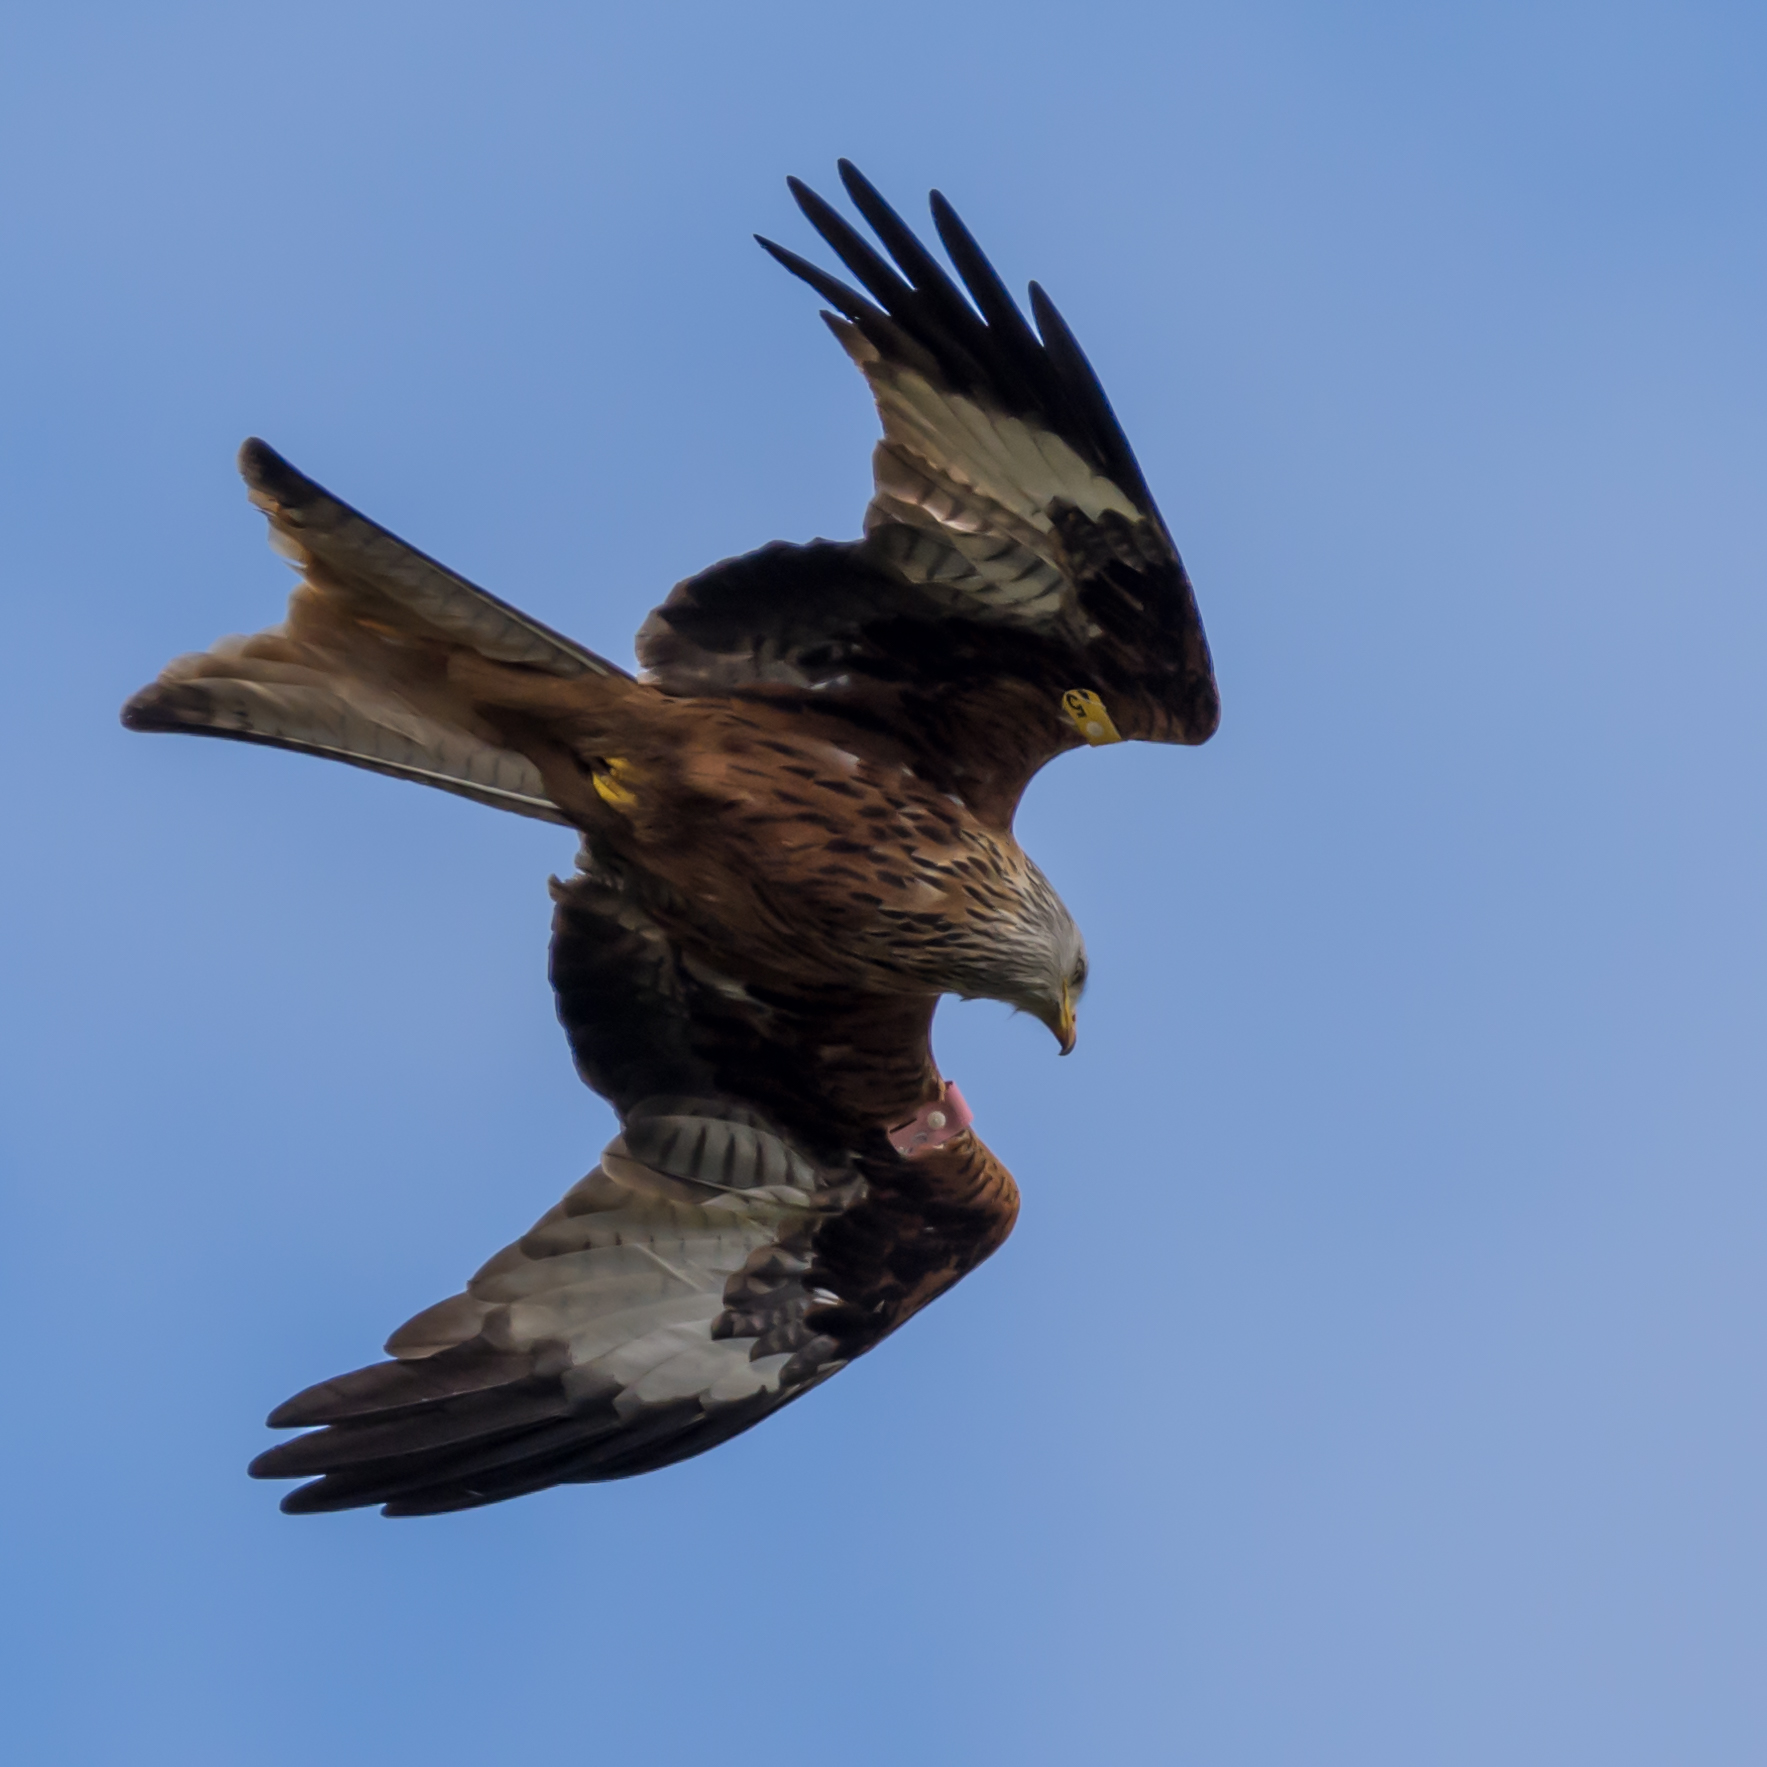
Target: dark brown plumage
x,y
796,833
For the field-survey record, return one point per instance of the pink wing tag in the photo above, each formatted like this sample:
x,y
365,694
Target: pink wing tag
x,y
933,1124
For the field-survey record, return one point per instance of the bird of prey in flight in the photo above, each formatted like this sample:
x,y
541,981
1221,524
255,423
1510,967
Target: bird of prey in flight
x,y
796,826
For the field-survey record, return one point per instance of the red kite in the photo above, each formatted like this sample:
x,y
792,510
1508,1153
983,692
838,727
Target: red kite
x,y
797,834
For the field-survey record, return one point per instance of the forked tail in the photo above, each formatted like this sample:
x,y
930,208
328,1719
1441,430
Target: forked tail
x,y
359,671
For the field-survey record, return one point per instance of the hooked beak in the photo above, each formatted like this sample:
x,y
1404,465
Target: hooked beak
x,y
1066,1033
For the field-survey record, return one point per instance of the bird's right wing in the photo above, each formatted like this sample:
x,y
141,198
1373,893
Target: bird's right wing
x,y
750,1230
1016,592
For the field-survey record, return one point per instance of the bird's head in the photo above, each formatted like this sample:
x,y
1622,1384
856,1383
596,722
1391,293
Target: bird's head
x,y
1059,1007
1031,956
1054,975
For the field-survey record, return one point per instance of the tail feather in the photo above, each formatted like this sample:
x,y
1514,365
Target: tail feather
x,y
343,721
329,539
361,670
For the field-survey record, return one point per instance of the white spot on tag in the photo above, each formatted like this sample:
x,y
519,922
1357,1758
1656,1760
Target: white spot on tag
x,y
936,1122
1086,712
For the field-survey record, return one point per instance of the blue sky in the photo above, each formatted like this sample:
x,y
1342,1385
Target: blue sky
x,y
1376,1376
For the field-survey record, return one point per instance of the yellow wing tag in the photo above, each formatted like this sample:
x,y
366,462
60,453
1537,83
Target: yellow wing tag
x,y
1086,712
608,786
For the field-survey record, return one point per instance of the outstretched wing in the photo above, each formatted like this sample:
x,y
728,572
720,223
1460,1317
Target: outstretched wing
x,y
1016,591
749,1231
358,671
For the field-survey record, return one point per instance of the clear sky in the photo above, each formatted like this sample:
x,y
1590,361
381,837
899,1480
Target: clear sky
x,y
1378,1375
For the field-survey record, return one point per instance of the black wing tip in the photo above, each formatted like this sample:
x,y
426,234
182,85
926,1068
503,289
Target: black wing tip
x,y
945,216
269,1464
300,1412
838,295
809,201
875,273
317,1497
1057,334
1035,365
331,1401
853,181
973,264
819,209
858,186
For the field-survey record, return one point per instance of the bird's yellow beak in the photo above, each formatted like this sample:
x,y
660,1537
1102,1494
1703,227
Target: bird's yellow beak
x,y
1065,1031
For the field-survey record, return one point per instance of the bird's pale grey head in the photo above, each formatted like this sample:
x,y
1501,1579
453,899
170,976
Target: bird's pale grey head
x,y
1036,958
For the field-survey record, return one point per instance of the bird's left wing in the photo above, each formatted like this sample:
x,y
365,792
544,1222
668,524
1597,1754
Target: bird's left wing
x,y
750,1230
1017,591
